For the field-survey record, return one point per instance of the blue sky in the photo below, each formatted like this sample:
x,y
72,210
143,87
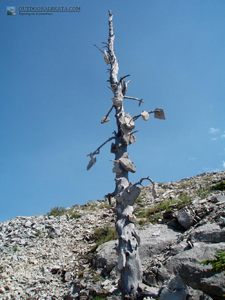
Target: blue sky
x,y
54,94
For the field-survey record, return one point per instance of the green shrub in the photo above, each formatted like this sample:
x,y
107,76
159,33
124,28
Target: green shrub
x,y
57,211
74,214
99,297
219,186
218,264
15,248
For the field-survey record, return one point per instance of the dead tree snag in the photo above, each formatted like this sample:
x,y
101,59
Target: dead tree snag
x,y
125,192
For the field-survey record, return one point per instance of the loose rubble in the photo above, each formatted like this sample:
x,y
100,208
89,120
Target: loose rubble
x,y
47,257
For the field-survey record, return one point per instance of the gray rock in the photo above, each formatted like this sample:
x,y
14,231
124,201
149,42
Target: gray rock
x,y
106,256
34,266
185,217
53,233
174,290
200,277
155,239
208,233
220,198
28,224
197,294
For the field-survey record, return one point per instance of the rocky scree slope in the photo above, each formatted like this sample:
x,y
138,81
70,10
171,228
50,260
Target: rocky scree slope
x,y
59,256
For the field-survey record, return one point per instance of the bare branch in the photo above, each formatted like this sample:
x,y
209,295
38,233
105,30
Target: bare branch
x,y
154,194
121,78
132,98
99,49
110,87
105,119
97,151
158,114
145,178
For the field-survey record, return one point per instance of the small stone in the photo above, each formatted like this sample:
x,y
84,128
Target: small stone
x,y
185,218
28,224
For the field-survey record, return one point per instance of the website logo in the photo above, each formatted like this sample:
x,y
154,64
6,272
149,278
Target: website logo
x,y
11,10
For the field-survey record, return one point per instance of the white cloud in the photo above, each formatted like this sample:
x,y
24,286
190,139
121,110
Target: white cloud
x,y
214,130
214,139
224,164
223,136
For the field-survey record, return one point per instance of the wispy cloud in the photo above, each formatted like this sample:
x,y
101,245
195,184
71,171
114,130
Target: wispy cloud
x,y
214,139
214,130
224,164
223,136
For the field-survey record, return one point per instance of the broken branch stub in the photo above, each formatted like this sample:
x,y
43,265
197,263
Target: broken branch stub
x,y
128,124
159,114
127,163
105,120
92,161
106,58
117,168
145,115
129,195
129,138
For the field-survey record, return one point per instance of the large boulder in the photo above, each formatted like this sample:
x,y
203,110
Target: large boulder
x,y
208,233
156,239
106,256
166,252
200,277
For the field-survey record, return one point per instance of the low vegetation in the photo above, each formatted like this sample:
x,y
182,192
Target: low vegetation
x,y
102,235
219,186
57,211
218,263
155,212
60,211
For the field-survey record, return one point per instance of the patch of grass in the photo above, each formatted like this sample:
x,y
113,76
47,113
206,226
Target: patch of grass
x,y
185,199
219,186
38,233
103,235
80,274
97,277
154,213
74,214
153,218
160,184
99,298
15,248
57,211
104,205
203,192
89,207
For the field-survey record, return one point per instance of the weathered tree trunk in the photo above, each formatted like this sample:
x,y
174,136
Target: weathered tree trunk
x,y
129,262
125,192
